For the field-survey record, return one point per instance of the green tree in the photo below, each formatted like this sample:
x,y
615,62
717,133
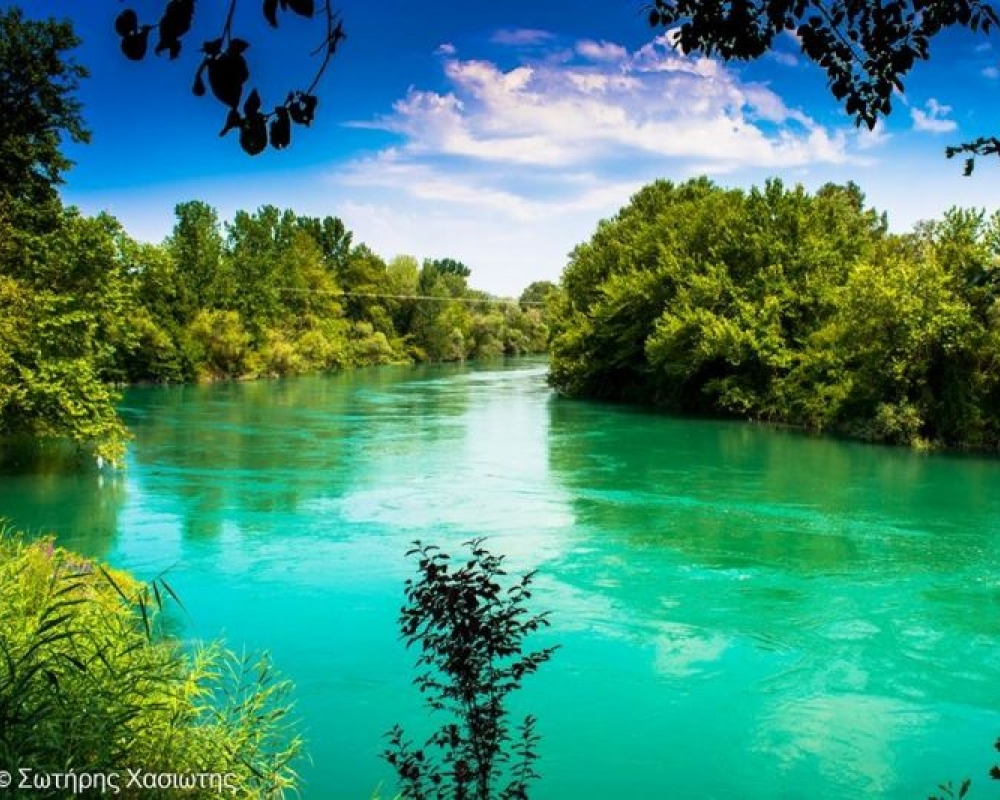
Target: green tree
x,y
196,248
38,113
470,632
69,306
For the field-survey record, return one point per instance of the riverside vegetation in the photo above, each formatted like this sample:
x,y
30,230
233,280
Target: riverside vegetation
x,y
87,307
770,304
780,305
91,685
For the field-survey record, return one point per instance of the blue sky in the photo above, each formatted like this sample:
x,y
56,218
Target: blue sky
x,y
500,133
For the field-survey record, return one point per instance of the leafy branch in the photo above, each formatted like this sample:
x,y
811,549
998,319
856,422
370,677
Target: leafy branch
x,y
865,49
470,633
227,71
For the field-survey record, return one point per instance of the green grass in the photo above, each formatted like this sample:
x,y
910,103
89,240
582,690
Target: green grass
x,y
91,682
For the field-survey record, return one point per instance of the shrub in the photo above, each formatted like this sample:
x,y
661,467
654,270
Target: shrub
x,y
470,632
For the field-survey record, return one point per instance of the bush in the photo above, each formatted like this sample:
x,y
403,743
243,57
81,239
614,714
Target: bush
x,y
470,632
90,682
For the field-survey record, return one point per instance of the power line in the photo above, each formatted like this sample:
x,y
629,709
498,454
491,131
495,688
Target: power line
x,y
473,300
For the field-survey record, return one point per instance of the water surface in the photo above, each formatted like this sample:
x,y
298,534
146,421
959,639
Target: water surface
x,y
743,612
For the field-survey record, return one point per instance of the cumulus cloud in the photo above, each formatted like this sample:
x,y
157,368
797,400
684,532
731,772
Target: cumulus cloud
x,y
533,154
934,119
601,51
654,103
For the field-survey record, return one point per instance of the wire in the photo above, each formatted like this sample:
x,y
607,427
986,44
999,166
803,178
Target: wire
x,y
474,300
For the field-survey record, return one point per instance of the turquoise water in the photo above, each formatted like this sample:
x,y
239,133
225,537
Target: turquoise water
x,y
743,612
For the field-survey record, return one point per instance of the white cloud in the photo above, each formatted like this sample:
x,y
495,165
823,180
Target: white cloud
x,y
783,58
934,119
991,72
869,139
517,37
601,51
446,49
509,168
654,103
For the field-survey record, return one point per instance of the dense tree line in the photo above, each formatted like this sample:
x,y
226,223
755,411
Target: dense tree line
x,y
83,306
270,293
776,304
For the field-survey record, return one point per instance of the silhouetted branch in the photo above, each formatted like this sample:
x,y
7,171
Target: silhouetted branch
x,y
227,71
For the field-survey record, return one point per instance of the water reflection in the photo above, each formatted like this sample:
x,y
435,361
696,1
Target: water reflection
x,y
49,489
729,599
836,594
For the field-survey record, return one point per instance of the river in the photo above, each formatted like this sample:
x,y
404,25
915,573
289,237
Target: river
x,y
743,612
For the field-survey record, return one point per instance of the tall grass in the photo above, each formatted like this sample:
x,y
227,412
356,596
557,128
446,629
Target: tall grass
x,y
91,682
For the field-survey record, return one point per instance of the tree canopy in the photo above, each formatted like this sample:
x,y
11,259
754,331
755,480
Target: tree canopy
x,y
38,111
779,305
865,49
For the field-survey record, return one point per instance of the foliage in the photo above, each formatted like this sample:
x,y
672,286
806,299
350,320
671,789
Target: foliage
x,y
65,304
865,49
779,305
89,681
225,70
38,111
470,632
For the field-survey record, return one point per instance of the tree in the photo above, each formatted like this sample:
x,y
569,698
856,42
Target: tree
x,y
225,71
196,246
38,110
470,632
866,49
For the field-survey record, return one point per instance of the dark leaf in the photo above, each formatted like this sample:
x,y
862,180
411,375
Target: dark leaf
x,y
176,19
134,45
305,8
127,22
271,12
212,47
253,134
237,46
233,120
172,46
252,104
199,81
226,76
281,129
